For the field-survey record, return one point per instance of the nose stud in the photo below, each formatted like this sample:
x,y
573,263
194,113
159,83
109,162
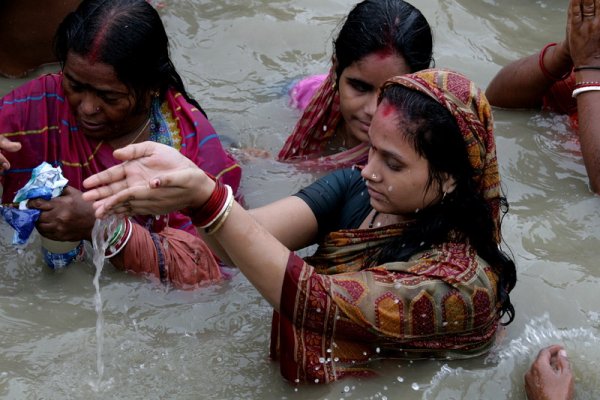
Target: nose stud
x,y
374,176
97,109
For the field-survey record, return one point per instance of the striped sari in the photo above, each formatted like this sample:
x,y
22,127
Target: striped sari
x,y
37,114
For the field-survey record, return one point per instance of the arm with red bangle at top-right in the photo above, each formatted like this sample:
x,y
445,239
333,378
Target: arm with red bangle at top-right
x,y
524,82
583,32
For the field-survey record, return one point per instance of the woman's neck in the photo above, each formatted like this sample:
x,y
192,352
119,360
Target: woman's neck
x,y
341,140
138,134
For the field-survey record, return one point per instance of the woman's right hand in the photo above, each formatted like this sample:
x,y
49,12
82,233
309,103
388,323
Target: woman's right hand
x,y
550,376
583,32
7,145
153,179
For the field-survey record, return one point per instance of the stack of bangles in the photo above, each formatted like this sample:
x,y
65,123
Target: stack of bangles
x,y
547,73
215,211
120,237
586,86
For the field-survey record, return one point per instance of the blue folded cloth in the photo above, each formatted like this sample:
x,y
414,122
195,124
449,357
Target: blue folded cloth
x,y
46,182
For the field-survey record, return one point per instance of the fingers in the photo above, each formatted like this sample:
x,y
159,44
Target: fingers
x,y
588,8
560,361
8,145
135,151
111,175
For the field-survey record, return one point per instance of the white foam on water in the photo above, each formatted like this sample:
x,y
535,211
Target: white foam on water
x,y
502,378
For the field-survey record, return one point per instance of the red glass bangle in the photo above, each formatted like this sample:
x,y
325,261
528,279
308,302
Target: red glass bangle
x,y
547,73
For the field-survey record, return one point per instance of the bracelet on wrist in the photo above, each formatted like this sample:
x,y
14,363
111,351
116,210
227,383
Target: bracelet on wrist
x,y
547,73
580,90
586,67
218,223
121,240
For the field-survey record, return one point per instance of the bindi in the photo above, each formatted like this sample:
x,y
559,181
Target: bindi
x,y
387,109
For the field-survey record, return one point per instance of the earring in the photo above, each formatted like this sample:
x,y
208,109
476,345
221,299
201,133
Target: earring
x,y
444,196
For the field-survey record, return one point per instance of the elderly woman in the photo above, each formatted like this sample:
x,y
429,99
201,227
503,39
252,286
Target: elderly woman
x,y
117,86
408,263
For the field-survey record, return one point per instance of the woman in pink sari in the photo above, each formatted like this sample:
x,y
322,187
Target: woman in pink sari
x,y
117,86
408,263
379,39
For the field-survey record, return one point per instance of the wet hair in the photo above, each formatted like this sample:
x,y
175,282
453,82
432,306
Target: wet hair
x,y
463,214
127,35
392,26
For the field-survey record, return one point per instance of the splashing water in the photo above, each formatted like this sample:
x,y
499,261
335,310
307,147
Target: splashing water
x,y
102,230
505,379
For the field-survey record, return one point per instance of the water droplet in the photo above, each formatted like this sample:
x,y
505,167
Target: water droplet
x,y
377,350
400,379
415,386
346,389
324,128
317,380
322,360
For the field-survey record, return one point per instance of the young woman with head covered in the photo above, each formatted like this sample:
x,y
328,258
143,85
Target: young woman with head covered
x,y
408,263
378,39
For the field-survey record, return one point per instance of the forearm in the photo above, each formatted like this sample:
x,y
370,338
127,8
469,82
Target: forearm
x,y
257,253
522,84
588,107
172,255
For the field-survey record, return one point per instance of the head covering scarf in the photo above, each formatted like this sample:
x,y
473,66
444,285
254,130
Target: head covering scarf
x,y
473,114
315,128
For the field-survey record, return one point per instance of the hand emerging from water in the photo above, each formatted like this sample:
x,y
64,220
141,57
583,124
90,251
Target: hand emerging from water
x,y
550,376
7,145
583,32
153,179
66,218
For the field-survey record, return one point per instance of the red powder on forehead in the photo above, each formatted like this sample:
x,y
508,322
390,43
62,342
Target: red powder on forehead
x,y
387,109
384,53
94,53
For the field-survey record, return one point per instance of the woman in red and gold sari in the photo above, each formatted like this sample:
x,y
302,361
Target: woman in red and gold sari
x,y
408,263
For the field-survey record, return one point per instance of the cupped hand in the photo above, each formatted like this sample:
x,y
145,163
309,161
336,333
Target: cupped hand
x,y
66,218
153,179
7,145
583,32
550,376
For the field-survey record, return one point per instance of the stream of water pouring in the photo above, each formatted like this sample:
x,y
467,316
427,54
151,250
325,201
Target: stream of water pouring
x,y
103,229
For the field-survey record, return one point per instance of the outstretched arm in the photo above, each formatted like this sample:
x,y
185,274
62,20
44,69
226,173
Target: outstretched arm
x,y
154,179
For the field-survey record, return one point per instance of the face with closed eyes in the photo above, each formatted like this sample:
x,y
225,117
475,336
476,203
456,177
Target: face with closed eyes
x,y
397,177
359,85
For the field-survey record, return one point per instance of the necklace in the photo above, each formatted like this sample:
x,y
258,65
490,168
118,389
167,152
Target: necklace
x,y
375,214
140,131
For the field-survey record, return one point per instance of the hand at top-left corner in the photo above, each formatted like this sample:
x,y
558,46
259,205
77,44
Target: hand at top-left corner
x,y
10,146
67,217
